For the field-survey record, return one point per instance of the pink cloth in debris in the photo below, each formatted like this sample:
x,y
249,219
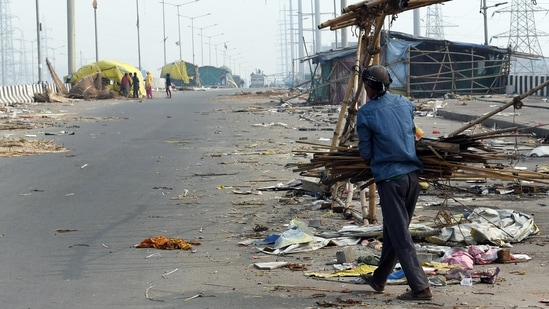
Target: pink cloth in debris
x,y
467,257
459,256
483,254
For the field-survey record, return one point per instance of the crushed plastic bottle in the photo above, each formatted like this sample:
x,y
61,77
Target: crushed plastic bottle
x,y
466,281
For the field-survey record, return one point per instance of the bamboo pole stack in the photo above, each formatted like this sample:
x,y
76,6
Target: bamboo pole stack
x,y
459,157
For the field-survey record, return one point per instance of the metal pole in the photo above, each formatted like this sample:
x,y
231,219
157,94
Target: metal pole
x,y
95,20
343,30
318,34
210,49
202,47
210,46
38,29
32,57
417,24
292,42
335,32
138,36
71,37
164,30
179,27
216,59
192,33
301,53
484,9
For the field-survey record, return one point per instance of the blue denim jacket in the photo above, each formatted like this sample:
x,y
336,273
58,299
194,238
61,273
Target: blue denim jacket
x,y
386,132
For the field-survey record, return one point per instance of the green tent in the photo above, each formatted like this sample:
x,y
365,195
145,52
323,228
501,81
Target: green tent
x,y
212,76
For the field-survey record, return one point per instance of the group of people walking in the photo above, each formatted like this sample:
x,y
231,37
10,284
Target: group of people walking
x,y
128,81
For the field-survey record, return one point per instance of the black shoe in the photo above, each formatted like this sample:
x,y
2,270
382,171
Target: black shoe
x,y
369,280
425,294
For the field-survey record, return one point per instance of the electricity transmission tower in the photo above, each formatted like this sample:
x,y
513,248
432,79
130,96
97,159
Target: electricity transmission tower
x,y
523,37
434,27
7,63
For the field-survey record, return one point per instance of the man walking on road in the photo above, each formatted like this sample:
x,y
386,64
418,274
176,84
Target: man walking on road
x,y
386,132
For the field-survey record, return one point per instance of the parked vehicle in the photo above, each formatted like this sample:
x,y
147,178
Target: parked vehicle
x,y
540,151
257,79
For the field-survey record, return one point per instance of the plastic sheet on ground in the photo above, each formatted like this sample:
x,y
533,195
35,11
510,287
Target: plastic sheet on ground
x,y
315,244
489,226
297,233
355,272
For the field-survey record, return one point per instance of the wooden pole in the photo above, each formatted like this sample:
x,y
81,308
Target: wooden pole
x,y
515,100
371,217
363,203
345,103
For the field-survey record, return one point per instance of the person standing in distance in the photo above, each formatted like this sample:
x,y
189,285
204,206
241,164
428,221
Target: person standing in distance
x,y
125,84
168,85
386,132
136,85
148,85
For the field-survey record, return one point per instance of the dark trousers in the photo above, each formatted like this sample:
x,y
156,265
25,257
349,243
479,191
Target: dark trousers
x,y
398,200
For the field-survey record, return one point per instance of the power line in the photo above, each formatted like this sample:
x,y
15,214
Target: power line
x,y
523,37
7,65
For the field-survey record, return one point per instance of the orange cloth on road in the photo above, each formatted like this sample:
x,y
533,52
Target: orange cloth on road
x,y
163,242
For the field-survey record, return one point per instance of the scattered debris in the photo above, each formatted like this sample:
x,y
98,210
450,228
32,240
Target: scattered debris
x,y
195,296
163,242
65,230
165,275
150,298
11,147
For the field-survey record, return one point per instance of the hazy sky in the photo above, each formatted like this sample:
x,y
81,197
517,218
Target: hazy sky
x,y
252,30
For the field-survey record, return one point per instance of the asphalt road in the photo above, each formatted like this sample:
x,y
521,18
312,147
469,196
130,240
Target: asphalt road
x,y
69,221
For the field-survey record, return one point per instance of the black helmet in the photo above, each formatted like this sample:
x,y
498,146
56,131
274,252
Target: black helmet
x,y
377,77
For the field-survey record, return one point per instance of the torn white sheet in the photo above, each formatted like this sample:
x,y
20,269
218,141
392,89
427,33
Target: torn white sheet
x,y
270,265
315,244
489,226
344,241
361,229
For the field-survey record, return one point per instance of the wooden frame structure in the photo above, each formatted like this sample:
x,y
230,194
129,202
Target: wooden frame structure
x,y
368,16
447,158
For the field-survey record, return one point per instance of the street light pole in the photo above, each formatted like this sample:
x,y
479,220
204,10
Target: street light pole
x,y
32,57
164,30
216,58
202,41
138,35
178,27
484,11
225,54
192,29
38,30
94,4
53,49
210,45
234,63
